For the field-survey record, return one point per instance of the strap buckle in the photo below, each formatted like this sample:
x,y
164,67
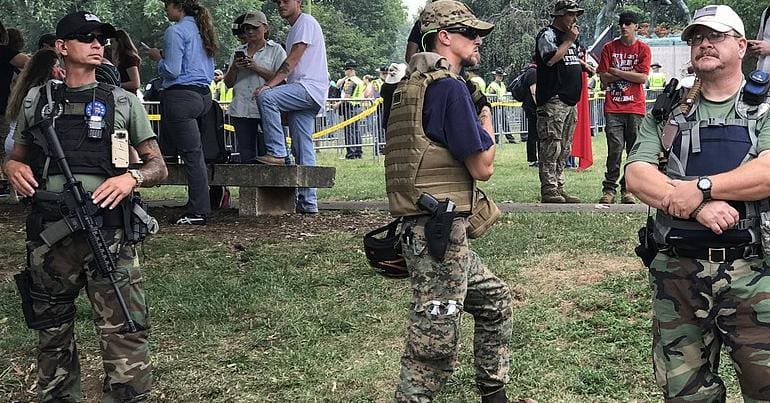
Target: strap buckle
x,y
717,255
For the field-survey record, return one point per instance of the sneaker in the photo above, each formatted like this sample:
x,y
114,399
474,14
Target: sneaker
x,y
271,160
607,198
190,219
534,164
552,197
627,198
568,198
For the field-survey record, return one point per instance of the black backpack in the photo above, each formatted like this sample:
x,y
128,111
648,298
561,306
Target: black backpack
x,y
518,86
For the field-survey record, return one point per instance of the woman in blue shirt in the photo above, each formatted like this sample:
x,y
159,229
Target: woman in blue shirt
x,y
186,67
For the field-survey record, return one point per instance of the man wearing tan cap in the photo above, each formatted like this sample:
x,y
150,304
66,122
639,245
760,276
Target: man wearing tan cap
x,y
438,145
709,273
559,86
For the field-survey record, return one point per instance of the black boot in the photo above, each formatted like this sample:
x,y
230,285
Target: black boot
x,y
497,397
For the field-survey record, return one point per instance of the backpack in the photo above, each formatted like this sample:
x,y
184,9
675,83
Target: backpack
x,y
519,88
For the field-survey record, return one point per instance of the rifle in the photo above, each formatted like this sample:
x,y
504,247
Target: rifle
x,y
80,215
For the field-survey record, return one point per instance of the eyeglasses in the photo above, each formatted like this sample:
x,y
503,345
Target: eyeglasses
x,y
713,37
89,38
470,33
627,23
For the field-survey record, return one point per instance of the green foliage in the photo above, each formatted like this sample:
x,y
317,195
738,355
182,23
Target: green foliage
x,y
371,32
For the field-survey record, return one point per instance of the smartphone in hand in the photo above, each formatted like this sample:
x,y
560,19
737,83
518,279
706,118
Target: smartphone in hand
x,y
239,54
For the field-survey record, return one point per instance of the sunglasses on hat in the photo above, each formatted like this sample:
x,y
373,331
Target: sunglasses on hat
x,y
89,38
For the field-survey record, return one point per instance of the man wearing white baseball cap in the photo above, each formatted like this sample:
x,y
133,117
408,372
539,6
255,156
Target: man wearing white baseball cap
x,y
709,276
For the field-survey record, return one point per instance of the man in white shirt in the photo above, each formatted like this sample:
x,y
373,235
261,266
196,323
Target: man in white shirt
x,y
306,74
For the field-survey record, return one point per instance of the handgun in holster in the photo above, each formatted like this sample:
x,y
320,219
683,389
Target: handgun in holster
x,y
666,101
439,225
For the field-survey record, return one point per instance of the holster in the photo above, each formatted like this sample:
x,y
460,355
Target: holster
x,y
138,223
647,248
29,294
437,231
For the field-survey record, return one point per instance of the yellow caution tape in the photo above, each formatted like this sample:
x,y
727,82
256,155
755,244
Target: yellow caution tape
x,y
350,121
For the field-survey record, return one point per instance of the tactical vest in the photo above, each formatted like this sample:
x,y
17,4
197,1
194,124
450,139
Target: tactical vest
x,y
413,162
709,147
87,151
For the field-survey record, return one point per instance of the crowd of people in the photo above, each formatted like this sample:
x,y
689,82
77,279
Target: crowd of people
x,y
708,235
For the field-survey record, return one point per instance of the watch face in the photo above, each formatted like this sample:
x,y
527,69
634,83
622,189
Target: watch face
x,y
704,184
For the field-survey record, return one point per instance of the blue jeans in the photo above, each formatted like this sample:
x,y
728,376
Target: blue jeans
x,y
300,109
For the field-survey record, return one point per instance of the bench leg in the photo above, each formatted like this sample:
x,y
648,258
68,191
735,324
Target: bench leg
x,y
266,201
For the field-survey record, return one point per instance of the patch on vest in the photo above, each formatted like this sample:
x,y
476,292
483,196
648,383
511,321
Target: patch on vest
x,y
396,98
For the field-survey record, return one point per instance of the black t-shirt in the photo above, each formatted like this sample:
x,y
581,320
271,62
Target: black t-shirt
x,y
415,36
564,77
6,74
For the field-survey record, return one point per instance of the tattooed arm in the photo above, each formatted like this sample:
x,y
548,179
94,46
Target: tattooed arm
x,y
297,50
114,189
154,168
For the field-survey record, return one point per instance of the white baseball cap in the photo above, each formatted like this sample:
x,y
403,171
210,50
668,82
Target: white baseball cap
x,y
719,18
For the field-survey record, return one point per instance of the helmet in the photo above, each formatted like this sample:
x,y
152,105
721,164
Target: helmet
x,y
384,253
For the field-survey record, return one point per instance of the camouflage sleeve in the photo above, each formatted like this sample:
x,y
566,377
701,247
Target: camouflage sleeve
x,y
763,133
647,146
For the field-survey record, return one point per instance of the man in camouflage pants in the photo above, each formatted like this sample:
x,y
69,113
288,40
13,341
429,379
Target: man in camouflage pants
x,y
89,129
434,129
710,278
559,86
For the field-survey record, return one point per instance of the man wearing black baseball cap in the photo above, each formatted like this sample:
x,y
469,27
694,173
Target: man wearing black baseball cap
x,y
623,68
95,124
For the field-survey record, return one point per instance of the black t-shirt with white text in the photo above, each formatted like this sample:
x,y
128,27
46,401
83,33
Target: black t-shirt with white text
x,y
564,77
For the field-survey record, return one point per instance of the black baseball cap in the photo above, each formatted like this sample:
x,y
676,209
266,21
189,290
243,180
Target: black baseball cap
x,y
82,22
628,16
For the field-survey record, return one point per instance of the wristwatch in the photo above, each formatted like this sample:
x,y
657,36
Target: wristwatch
x,y
137,175
704,185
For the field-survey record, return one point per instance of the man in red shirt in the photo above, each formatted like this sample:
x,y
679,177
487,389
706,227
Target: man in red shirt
x,y
623,68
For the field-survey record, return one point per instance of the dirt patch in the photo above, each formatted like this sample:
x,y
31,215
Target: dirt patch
x,y
557,271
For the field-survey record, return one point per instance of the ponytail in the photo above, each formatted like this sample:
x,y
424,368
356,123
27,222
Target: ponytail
x,y
206,28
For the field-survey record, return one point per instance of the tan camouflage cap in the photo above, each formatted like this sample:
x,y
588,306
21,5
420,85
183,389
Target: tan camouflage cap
x,y
563,7
450,13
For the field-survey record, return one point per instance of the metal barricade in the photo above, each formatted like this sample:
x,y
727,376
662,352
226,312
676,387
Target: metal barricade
x,y
346,124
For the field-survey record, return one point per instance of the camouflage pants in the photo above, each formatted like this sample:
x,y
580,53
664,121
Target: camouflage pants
x,y
555,128
63,269
441,291
698,307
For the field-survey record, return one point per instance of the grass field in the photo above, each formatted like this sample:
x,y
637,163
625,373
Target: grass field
x,y
287,310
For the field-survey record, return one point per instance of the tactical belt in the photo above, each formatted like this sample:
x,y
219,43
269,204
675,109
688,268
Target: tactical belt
x,y
716,255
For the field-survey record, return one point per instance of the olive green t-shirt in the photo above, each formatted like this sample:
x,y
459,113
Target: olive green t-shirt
x,y
648,144
129,115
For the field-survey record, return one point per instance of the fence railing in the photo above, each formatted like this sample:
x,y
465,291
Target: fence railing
x,y
351,123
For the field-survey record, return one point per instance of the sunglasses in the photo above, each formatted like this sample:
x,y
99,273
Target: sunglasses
x,y
470,33
627,23
89,38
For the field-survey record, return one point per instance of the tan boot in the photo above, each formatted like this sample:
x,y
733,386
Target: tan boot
x,y
607,197
568,198
551,197
627,198
271,160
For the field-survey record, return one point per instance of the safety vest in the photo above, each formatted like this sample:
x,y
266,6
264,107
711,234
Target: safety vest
x,y
496,88
480,84
657,80
413,162
355,87
709,147
84,124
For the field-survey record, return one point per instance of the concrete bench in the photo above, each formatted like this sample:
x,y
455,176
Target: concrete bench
x,y
264,189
